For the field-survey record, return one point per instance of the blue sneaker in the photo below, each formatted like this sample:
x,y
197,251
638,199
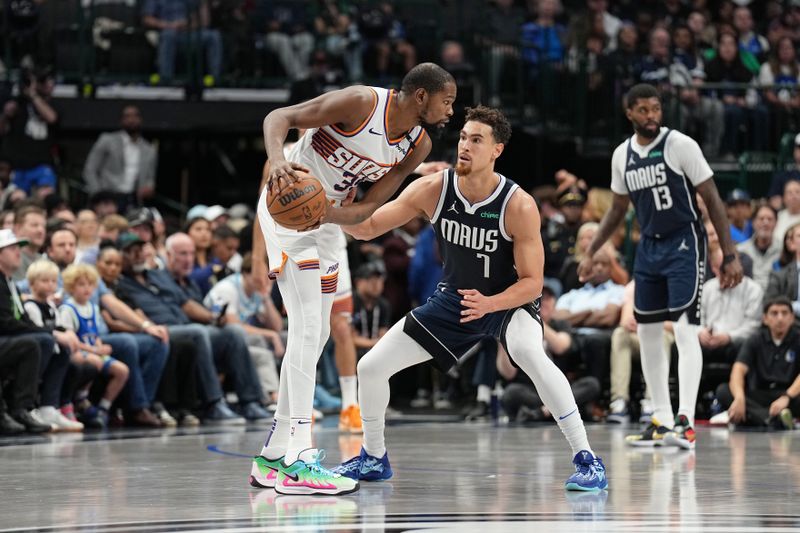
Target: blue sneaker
x,y
365,467
590,473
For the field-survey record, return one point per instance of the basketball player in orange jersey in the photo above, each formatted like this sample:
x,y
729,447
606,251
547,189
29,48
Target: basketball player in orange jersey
x,y
353,135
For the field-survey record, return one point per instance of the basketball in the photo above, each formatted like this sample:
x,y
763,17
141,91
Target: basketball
x,y
299,205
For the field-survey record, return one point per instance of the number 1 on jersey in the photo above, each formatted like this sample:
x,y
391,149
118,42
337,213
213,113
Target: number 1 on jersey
x,y
662,197
486,260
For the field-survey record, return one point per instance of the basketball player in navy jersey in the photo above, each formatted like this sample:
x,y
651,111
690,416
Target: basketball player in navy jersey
x,y
489,239
660,170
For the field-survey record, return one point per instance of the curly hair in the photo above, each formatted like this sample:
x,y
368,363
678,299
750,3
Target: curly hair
x,y
73,273
492,117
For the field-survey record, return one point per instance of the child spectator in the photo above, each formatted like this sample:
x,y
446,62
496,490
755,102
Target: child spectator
x,y
81,316
42,278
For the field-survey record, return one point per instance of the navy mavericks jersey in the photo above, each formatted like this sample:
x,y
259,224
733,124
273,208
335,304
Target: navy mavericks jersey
x,y
473,243
663,197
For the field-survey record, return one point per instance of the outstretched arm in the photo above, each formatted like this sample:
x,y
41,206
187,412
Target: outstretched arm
x,y
523,224
382,190
419,198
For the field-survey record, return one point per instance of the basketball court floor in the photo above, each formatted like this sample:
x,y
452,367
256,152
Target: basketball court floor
x,y
448,477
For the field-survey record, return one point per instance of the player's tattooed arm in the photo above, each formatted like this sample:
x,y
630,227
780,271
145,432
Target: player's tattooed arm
x,y
611,221
418,199
731,271
381,191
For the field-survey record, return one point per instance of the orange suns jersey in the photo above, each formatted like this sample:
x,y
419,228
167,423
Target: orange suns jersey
x,y
343,159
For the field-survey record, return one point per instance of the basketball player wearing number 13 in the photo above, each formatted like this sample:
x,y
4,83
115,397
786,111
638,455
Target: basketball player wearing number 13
x,y
352,135
488,231
659,170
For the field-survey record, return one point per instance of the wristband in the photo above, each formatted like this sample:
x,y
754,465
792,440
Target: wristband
x,y
728,259
146,324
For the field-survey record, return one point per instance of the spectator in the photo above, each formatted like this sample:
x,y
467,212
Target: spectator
x,y
80,315
790,214
173,20
385,34
624,63
199,229
258,316
624,349
15,323
728,316
761,247
103,203
157,294
288,37
784,282
397,249
42,278
749,40
8,189
7,219
425,268
521,401
122,164
371,311
597,303
544,40
764,387
705,34
179,392
610,23
111,227
742,109
559,236
224,244
569,272
29,225
677,82
16,362
780,77
27,123
87,230
340,37
780,178
739,213
685,51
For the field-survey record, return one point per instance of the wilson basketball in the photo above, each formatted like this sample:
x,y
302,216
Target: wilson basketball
x,y
299,205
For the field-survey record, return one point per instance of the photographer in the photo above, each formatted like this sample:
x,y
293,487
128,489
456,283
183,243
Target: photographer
x,y
27,123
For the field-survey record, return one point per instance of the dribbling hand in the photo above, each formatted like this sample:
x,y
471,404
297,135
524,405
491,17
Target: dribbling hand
x,y
282,174
477,305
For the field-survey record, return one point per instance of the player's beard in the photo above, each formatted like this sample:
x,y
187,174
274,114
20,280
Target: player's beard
x,y
642,131
434,129
463,169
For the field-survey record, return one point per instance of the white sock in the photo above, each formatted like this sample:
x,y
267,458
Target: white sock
x,y
299,438
104,404
524,340
349,386
484,393
655,367
394,352
277,438
690,366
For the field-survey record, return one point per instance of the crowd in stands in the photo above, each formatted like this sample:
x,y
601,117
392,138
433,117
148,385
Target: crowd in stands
x,y
109,317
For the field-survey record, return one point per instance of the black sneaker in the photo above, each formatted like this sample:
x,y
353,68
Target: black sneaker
x,y
479,412
653,435
526,415
9,426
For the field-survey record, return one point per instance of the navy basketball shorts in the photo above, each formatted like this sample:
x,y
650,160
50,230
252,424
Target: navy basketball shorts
x,y
437,328
669,273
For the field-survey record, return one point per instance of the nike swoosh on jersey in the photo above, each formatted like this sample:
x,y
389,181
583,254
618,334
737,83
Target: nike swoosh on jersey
x,y
374,132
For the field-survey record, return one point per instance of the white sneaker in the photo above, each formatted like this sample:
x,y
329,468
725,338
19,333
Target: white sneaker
x,y
52,416
37,415
646,408
720,419
317,415
166,419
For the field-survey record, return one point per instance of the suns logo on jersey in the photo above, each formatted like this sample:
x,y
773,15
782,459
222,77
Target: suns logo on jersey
x,y
355,167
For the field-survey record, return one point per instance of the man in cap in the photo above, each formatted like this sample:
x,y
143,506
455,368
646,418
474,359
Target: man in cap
x,y
739,213
559,236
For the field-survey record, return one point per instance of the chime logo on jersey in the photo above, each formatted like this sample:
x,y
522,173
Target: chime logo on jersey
x,y
646,177
469,236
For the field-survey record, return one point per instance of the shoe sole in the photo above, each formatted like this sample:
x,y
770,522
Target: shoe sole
x,y
577,488
322,492
645,444
257,485
671,440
